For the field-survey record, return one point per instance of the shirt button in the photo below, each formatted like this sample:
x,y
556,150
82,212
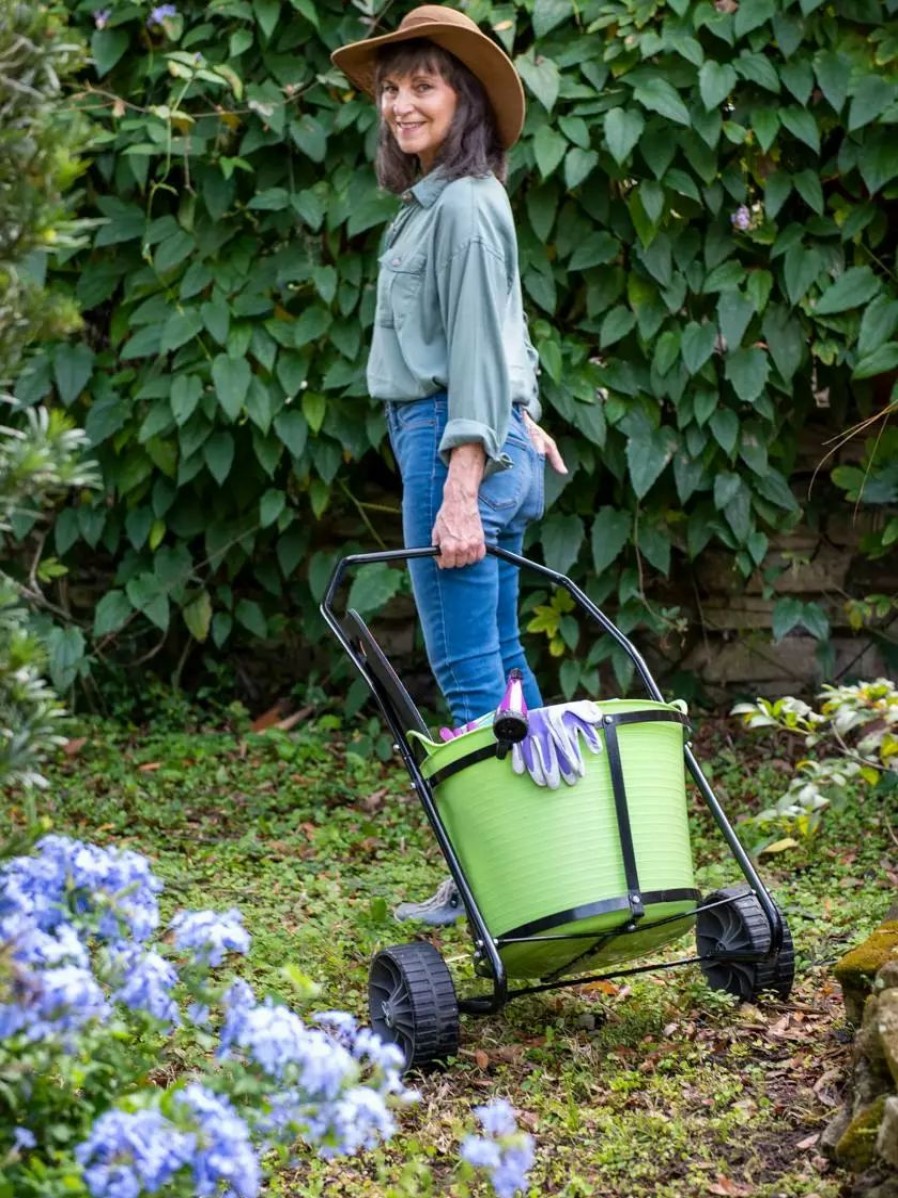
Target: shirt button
x,y
396,261
406,197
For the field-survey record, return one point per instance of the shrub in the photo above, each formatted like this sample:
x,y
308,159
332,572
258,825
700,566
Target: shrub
x,y
705,197
852,739
97,1015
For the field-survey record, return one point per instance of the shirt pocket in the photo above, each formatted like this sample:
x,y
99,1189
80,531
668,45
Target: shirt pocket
x,y
398,288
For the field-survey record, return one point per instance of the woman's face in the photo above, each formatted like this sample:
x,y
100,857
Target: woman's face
x,y
418,109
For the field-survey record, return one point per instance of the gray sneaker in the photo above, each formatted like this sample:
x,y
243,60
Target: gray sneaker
x,y
444,907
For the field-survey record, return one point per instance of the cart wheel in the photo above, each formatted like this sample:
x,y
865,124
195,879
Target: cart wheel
x,y
727,934
412,1003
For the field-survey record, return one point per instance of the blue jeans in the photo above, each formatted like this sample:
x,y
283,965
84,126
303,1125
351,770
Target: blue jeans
x,y
469,614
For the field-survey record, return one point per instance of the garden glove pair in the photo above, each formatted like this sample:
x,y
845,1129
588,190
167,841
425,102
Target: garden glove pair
x,y
551,750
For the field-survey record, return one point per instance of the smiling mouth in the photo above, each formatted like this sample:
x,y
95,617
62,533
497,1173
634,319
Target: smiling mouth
x,y
410,128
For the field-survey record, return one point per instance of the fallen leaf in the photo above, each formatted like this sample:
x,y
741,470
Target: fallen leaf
x,y
149,766
481,1059
270,717
808,1142
780,846
72,748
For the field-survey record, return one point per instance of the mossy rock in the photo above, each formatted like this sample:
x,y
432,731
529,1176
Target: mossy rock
x,y
856,1150
857,969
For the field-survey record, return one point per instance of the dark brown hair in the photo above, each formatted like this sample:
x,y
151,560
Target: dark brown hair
x,y
472,146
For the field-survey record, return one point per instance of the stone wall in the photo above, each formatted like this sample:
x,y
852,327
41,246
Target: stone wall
x,y
863,1137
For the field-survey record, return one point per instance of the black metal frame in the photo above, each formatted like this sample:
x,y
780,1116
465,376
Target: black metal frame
x,y
401,715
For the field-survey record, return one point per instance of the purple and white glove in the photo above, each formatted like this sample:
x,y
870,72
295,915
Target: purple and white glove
x,y
551,751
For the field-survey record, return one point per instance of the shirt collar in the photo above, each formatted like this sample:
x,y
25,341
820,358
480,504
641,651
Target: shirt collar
x,y
429,189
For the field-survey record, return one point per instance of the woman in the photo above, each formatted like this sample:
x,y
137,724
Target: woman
x,y
450,355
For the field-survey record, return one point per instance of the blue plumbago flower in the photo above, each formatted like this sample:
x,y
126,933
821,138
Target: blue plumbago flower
x,y
30,946
210,935
502,1150
148,980
23,1138
128,1154
237,1001
101,17
497,1118
161,13
52,1003
741,218
224,1152
359,1119
66,878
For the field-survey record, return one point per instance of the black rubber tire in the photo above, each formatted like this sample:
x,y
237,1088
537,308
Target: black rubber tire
x,y
728,935
412,1003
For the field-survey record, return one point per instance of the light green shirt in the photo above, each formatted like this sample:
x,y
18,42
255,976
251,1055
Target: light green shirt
x,y
449,313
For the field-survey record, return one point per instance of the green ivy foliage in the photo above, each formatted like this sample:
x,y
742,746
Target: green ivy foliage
x,y
706,202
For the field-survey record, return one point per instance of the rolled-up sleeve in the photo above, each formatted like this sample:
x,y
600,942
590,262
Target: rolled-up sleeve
x,y
473,290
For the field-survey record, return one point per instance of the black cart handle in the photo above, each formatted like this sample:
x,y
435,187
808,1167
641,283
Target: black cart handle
x,y
561,580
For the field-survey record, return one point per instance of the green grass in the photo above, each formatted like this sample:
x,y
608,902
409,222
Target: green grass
x,y
646,1086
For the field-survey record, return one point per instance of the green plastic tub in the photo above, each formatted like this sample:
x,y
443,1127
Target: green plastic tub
x,y
548,863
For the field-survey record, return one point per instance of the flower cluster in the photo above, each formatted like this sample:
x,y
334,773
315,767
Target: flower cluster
x,y
504,1152
78,962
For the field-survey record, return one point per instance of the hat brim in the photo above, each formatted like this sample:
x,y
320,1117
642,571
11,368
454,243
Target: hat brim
x,y
479,53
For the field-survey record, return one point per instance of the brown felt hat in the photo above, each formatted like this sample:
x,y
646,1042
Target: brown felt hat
x,y
458,34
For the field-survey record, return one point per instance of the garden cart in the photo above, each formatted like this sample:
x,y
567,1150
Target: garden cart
x,y
558,885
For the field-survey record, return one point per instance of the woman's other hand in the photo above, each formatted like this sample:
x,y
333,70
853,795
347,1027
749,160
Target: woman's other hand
x,y
545,445
458,530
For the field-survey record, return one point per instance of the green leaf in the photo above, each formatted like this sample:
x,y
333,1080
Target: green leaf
x,y
218,454
186,390
65,655
726,487
878,159
549,13
562,538
757,68
549,148
716,81
72,367
610,533
216,317
623,128
271,505
697,345
373,587
724,425
617,324
653,543
834,77
266,13
180,328
785,339
312,324
747,370
290,425
598,249
222,624
734,313
751,14
856,286
776,192
870,97
198,616
112,613
667,350
542,204
106,48
758,288
251,617
231,377
801,266
801,123
882,360
766,124
541,76
656,94
290,549
579,165
799,79
787,614
314,409
809,187
648,452
172,251
310,137
879,322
